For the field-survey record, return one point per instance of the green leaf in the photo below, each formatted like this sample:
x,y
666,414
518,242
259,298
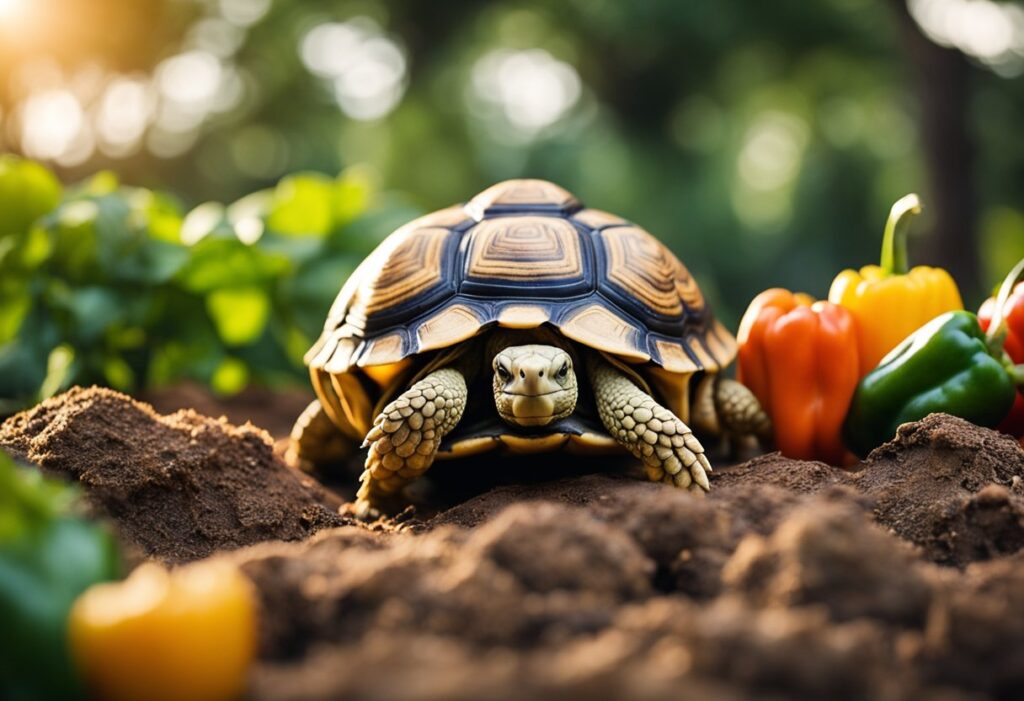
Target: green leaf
x,y
296,343
309,293
119,374
105,182
34,247
248,215
221,262
127,338
149,261
27,498
194,357
59,368
353,191
27,192
15,303
297,249
205,221
24,251
93,309
303,205
240,314
230,377
23,359
48,557
73,232
161,214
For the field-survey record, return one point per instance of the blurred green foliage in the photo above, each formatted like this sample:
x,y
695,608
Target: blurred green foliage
x,y
48,556
101,283
763,142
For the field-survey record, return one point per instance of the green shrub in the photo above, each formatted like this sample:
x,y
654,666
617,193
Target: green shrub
x,y
114,285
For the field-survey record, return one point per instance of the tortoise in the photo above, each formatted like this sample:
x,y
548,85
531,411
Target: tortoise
x,y
590,333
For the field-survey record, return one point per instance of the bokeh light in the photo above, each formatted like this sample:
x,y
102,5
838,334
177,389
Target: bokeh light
x,y
768,164
51,121
244,13
772,150
365,68
124,113
531,89
992,32
190,79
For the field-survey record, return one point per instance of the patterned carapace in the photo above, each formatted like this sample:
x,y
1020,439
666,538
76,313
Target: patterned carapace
x,y
522,254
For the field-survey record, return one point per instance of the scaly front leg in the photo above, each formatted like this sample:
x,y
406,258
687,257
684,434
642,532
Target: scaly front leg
x,y
406,435
667,447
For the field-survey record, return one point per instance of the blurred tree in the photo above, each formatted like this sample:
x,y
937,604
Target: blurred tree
x,y
943,78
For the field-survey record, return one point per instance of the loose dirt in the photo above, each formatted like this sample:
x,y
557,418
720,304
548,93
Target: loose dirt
x,y
179,487
902,579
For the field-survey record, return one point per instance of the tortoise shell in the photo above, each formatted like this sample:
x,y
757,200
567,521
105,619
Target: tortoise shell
x,y
521,254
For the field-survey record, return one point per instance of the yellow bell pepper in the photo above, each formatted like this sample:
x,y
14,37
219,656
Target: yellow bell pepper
x,y
888,301
164,636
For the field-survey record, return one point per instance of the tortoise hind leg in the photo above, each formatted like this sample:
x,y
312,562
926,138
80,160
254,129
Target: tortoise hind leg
x,y
316,442
667,447
406,435
725,409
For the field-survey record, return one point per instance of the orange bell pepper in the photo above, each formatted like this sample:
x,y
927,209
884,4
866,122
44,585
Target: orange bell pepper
x,y
799,358
890,301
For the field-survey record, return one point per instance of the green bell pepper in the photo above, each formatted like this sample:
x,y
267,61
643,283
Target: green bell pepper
x,y
948,366
47,558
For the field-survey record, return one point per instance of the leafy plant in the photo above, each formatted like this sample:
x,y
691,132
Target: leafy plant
x,y
102,283
48,556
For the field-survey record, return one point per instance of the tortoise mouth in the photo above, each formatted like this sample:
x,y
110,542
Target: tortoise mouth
x,y
520,409
527,420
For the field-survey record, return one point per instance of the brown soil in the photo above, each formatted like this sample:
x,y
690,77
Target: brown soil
x,y
272,410
179,487
902,580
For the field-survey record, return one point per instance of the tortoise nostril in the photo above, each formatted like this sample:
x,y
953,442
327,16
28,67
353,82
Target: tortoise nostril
x,y
522,374
542,373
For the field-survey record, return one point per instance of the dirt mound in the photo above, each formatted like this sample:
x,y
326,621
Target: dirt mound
x,y
553,601
272,410
931,486
901,580
829,554
179,487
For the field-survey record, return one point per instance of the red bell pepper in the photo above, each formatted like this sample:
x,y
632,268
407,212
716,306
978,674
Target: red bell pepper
x,y
1013,316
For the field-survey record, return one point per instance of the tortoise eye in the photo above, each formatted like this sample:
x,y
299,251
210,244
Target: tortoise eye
x,y
504,374
564,370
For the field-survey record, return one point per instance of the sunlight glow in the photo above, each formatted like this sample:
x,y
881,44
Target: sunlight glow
x,y
9,8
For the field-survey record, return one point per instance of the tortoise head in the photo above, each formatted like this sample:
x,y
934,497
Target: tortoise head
x,y
534,384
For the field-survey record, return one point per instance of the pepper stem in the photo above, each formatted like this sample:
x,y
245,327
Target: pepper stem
x,y
997,329
894,244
